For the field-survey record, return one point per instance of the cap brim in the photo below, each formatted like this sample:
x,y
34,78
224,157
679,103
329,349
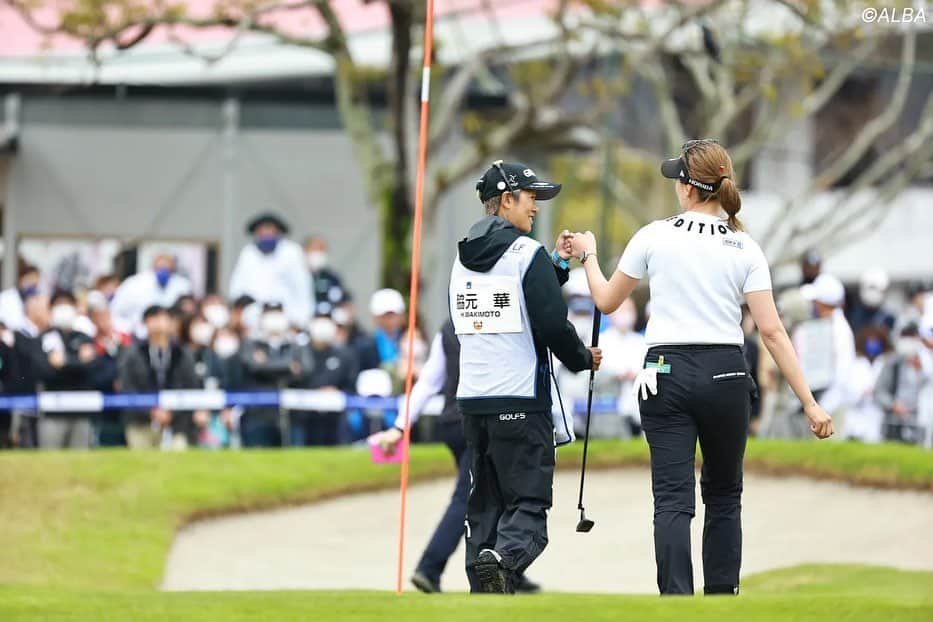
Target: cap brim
x,y
672,168
544,191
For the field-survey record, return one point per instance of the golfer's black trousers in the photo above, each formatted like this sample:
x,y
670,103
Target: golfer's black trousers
x,y
512,478
706,397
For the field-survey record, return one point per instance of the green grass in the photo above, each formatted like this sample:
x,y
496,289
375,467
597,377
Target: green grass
x,y
809,593
84,536
86,520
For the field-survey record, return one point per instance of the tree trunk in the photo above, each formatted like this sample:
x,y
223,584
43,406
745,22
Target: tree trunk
x,y
397,197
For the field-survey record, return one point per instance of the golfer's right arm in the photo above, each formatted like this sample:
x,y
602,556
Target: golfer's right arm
x,y
774,336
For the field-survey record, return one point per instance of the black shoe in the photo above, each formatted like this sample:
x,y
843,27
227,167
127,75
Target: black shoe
x,y
492,577
423,583
524,585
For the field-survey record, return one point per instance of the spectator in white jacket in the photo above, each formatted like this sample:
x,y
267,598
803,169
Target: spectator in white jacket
x,y
273,269
825,343
160,286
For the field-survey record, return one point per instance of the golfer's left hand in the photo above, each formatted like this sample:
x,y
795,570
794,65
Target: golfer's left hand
x,y
584,242
821,424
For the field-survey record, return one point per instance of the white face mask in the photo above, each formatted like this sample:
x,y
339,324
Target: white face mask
x,y
64,316
201,333
871,296
909,346
274,323
316,260
217,315
226,346
341,316
323,330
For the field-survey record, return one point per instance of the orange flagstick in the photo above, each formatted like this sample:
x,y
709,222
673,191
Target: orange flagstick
x,y
415,269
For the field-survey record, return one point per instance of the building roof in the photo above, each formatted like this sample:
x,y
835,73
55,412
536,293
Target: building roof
x,y
28,56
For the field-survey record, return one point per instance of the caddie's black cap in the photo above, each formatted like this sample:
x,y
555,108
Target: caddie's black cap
x,y
510,177
267,218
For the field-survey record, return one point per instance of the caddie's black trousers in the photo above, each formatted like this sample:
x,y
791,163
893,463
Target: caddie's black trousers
x,y
706,396
512,478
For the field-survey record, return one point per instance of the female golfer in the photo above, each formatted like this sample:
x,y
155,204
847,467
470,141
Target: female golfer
x,y
701,266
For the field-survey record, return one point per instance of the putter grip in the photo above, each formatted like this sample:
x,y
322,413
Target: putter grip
x,y
597,320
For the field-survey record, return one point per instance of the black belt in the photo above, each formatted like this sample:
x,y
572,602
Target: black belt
x,y
696,346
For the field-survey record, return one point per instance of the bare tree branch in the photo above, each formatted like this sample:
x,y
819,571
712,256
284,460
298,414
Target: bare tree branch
x,y
830,85
874,128
913,155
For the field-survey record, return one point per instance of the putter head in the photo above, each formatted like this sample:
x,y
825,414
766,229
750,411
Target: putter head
x,y
585,524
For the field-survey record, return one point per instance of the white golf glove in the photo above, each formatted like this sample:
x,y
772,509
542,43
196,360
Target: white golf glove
x,y
645,381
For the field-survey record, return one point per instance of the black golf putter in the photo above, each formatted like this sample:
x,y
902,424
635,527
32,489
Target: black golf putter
x,y
585,524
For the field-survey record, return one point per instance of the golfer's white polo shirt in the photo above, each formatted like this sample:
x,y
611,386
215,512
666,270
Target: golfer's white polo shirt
x,y
699,271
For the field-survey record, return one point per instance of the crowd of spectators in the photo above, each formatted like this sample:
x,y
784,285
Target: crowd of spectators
x,y
290,322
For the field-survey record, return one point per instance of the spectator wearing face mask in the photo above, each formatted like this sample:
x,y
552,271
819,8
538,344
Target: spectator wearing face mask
x,y
31,366
624,357
419,355
109,344
387,308
197,334
71,354
229,370
351,335
215,311
328,288
868,310
155,364
238,315
271,361
864,417
811,265
225,371
334,369
273,269
897,391
12,301
919,304
160,286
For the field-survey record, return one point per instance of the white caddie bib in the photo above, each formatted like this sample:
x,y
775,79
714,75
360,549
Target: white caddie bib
x,y
486,305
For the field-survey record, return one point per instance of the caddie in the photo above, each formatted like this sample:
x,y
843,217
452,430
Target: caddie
x,y
508,313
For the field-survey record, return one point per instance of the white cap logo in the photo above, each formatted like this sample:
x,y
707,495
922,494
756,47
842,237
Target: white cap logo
x,y
528,172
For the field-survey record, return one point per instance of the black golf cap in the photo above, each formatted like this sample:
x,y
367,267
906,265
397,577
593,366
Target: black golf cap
x,y
267,218
510,177
676,168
